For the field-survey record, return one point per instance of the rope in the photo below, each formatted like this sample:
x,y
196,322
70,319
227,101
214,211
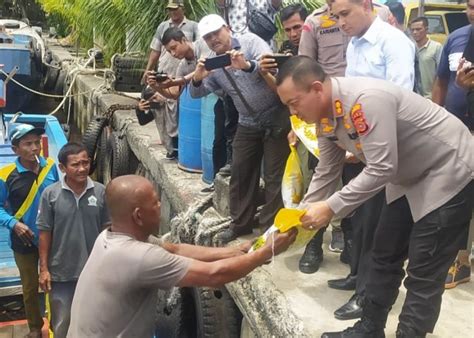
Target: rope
x,y
192,227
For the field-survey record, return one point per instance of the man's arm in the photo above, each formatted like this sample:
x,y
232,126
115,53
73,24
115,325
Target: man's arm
x,y
400,62
308,42
10,222
440,89
45,221
218,273
440,85
327,174
153,60
44,249
6,220
206,254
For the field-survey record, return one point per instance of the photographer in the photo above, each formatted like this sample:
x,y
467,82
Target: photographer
x,y
263,122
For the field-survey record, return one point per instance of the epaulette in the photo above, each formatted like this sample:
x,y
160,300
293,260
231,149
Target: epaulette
x,y
320,10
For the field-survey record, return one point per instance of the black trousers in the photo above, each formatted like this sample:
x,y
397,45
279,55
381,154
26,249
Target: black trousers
x,y
351,226
225,126
430,244
364,224
250,146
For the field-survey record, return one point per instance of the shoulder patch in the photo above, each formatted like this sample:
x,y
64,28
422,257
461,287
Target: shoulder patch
x,y
358,119
307,27
319,11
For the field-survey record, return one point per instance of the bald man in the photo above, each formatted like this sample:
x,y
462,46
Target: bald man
x,y
116,293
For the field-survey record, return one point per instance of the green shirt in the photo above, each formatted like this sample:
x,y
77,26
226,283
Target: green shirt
x,y
428,57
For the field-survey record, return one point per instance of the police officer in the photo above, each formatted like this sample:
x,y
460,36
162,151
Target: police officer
x,y
324,41
409,149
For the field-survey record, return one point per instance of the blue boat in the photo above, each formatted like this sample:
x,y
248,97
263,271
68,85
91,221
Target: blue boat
x,y
52,142
20,46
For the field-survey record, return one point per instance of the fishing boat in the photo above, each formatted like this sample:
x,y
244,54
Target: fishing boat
x,y
21,46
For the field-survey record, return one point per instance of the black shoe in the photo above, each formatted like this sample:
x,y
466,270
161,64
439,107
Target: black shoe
x,y
362,329
351,310
172,155
229,235
312,257
225,170
348,283
208,190
405,332
345,256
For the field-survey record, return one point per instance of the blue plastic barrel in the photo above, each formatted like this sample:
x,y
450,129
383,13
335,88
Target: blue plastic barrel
x,y
189,132
207,137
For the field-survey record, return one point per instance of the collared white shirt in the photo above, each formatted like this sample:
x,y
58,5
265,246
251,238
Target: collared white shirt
x,y
383,52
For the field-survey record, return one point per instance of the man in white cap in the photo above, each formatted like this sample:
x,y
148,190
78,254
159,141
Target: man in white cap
x,y
262,127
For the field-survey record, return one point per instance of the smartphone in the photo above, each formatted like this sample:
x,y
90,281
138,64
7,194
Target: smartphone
x,y
217,62
280,59
147,94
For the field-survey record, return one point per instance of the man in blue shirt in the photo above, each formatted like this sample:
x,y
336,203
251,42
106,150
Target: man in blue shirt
x,y
21,185
445,91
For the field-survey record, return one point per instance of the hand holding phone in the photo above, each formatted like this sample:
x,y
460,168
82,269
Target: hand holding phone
x,y
217,62
280,59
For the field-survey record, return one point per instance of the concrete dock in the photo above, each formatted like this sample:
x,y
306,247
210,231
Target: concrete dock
x,y
276,299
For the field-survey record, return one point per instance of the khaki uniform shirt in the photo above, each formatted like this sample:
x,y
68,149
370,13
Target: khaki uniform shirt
x,y
410,145
323,40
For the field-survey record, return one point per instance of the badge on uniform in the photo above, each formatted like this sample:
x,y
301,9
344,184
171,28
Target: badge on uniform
x,y
358,119
92,201
327,22
339,110
326,127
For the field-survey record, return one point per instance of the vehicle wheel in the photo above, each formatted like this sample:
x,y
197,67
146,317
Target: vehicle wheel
x,y
52,75
216,313
60,81
117,157
102,153
174,314
91,137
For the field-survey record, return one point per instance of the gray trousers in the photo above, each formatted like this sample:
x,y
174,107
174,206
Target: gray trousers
x,y
166,120
60,299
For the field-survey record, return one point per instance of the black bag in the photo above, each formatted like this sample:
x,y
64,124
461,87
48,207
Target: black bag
x,y
258,22
144,117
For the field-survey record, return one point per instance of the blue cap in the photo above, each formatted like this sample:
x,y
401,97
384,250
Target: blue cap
x,y
17,131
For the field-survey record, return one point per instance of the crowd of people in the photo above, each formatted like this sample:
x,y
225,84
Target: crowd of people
x,y
393,111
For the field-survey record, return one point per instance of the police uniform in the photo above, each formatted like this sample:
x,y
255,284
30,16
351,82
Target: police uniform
x,y
424,157
323,40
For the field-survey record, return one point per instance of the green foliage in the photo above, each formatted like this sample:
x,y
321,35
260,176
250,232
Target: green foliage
x,y
110,20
